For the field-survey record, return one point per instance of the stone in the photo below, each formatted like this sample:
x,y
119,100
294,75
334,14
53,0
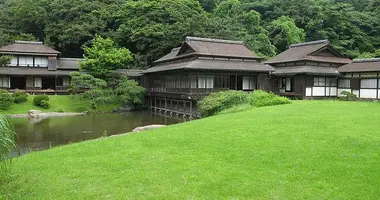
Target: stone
x,y
144,128
34,113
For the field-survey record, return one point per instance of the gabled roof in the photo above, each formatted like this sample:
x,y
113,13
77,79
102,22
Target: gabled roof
x,y
212,64
309,51
210,47
28,48
362,65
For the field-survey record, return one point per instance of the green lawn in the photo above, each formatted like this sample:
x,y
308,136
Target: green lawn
x,y
67,103
305,150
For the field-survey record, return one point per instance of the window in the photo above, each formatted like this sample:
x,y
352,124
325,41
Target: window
x,y
37,82
331,82
14,61
368,83
209,81
41,61
201,81
4,82
249,83
282,83
319,81
193,81
59,81
344,83
25,61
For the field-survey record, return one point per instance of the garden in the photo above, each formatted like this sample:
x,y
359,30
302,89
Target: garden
x,y
303,150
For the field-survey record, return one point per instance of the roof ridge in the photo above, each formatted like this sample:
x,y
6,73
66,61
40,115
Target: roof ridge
x,y
366,60
28,42
188,38
310,43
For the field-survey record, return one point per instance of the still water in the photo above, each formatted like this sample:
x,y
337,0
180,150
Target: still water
x,y
47,133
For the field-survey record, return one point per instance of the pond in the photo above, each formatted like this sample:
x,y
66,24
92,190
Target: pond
x,y
47,133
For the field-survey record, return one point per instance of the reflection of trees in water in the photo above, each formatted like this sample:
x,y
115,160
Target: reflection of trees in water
x,y
64,130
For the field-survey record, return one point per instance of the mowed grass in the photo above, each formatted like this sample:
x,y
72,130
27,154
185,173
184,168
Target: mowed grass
x,y
305,150
67,103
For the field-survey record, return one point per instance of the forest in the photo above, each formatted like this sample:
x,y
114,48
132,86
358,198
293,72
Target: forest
x,y
151,28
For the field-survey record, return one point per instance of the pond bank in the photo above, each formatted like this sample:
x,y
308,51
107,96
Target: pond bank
x,y
47,115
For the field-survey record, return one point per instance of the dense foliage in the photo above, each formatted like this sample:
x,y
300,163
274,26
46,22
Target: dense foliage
x,y
125,92
20,96
6,99
260,99
150,28
219,101
7,142
103,57
5,60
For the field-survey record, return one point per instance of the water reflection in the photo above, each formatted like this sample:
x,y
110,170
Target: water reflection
x,y
47,133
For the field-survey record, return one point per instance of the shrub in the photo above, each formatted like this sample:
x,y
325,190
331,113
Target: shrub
x,y
60,110
44,104
6,100
348,96
217,102
20,96
260,99
37,99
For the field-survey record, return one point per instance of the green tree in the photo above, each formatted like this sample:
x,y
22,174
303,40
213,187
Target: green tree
x,y
80,82
73,23
284,32
5,60
151,28
129,92
102,57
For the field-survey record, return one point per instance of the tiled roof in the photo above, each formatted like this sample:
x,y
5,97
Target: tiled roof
x,y
212,64
28,48
130,72
212,48
304,51
362,65
68,63
306,69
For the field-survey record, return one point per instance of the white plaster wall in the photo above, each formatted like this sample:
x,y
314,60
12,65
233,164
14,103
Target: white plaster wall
x,y
356,92
318,91
308,92
341,90
368,93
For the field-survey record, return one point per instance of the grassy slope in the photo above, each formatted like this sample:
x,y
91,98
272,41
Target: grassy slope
x,y
309,149
65,102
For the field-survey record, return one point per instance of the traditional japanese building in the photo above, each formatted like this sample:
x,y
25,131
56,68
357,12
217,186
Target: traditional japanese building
x,y
36,68
361,77
307,70
202,66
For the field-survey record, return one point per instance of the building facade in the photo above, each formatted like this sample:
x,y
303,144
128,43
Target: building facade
x,y
307,70
202,66
36,68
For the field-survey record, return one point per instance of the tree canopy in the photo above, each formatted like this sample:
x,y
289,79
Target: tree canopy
x,y
150,28
102,57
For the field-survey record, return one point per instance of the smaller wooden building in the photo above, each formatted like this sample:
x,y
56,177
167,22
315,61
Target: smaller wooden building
x,y
361,77
36,68
202,66
307,70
